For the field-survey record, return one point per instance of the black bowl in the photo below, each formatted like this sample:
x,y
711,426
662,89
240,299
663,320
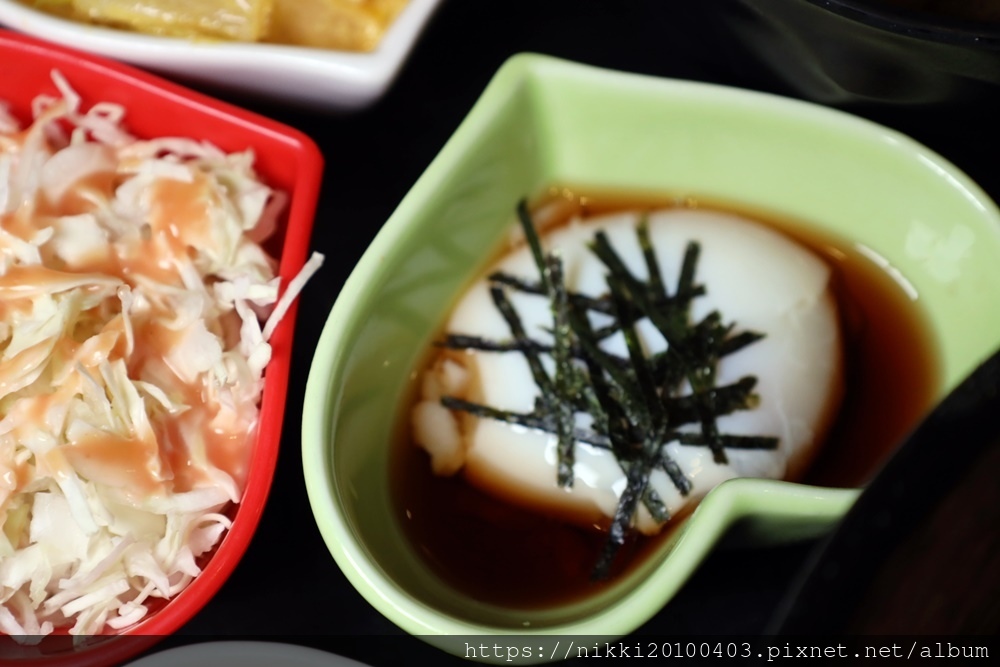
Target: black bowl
x,y
898,52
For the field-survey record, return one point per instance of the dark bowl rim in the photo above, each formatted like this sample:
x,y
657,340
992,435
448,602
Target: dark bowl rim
x,y
914,24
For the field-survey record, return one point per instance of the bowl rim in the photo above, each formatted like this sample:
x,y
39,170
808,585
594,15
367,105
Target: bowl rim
x,y
916,24
245,652
340,79
303,191
727,502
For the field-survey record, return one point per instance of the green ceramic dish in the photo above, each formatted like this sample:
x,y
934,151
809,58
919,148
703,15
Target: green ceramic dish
x,y
543,121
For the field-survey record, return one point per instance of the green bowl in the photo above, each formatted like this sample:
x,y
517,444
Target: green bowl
x,y
543,121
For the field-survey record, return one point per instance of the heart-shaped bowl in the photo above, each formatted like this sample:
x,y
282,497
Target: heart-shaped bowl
x,y
544,122
284,159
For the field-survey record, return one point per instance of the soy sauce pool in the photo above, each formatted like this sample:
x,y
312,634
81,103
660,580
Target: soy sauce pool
x,y
502,554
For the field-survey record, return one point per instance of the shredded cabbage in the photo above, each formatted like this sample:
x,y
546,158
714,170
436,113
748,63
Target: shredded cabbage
x,y
132,292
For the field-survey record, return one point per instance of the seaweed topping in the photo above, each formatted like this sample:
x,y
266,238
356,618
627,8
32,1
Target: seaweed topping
x,y
638,403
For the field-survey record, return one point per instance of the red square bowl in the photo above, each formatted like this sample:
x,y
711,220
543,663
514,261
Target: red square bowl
x,y
286,160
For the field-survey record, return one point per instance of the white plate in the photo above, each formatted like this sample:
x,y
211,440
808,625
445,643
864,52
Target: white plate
x,y
316,78
244,654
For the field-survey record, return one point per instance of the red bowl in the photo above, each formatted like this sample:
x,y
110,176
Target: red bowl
x,y
287,160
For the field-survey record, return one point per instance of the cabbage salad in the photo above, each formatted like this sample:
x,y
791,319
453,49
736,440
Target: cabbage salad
x,y
135,308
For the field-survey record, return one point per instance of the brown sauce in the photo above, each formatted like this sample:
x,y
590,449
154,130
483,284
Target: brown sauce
x,y
502,554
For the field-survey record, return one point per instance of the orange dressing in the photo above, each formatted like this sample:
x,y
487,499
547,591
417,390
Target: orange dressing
x,y
179,222
180,209
111,459
103,306
19,223
82,197
229,451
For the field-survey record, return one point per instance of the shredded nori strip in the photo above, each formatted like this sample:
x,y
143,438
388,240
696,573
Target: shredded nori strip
x,y
636,403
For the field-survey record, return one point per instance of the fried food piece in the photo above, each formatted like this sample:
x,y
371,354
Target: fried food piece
x,y
353,25
349,25
241,20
